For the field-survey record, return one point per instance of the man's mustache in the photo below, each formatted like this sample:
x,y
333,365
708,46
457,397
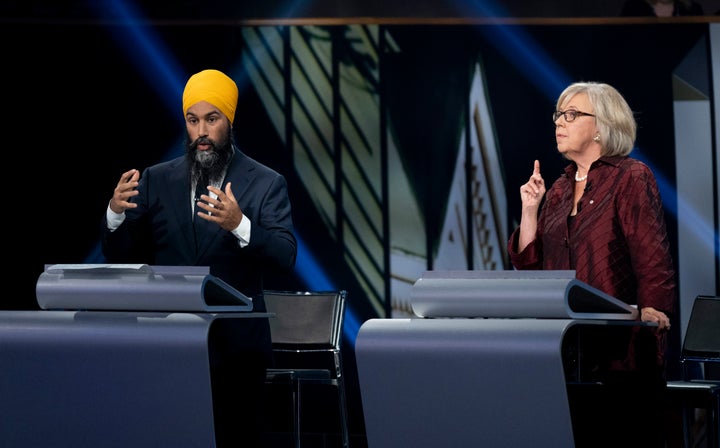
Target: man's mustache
x,y
202,141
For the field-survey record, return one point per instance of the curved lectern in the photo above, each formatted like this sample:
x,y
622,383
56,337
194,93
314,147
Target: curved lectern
x,y
136,287
485,363
118,356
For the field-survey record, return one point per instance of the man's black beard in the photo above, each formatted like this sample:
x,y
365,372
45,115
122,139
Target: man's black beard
x,y
211,163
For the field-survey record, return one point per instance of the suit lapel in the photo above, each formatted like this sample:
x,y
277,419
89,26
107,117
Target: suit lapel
x,y
240,174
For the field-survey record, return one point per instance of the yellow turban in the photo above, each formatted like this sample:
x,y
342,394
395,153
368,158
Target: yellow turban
x,y
212,86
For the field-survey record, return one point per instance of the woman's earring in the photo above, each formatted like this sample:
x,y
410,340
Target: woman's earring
x,y
596,138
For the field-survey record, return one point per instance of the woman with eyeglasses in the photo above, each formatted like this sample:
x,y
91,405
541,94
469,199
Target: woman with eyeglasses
x,y
603,218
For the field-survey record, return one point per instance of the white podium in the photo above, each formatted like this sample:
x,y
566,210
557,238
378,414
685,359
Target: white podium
x,y
484,364
97,368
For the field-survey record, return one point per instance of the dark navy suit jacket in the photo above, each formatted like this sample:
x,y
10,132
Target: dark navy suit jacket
x,y
160,230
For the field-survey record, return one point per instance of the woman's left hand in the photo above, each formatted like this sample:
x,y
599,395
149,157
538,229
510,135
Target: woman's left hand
x,y
650,314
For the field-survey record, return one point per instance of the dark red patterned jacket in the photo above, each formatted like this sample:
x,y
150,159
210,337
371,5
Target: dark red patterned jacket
x,y
616,243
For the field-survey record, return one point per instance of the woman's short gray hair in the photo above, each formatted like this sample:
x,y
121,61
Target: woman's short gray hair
x,y
613,116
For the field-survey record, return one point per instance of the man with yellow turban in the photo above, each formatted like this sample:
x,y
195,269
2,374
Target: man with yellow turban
x,y
215,206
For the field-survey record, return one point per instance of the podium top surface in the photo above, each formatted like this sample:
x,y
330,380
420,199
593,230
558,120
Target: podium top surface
x,y
136,287
514,294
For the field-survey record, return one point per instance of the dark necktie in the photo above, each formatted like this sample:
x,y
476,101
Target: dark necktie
x,y
200,224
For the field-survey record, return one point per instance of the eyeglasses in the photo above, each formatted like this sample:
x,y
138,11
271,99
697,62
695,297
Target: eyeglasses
x,y
570,115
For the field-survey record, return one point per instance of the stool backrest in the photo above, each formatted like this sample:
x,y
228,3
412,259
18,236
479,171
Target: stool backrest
x,y
312,319
702,338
